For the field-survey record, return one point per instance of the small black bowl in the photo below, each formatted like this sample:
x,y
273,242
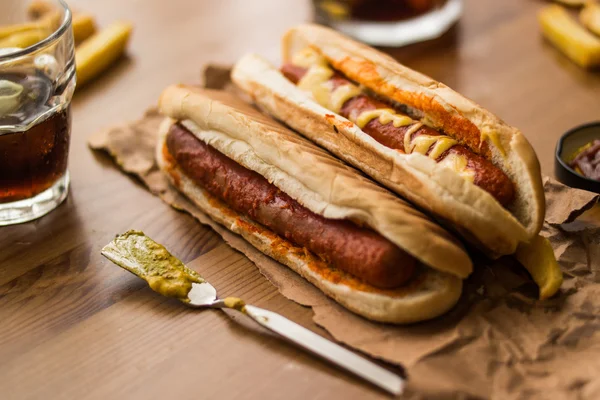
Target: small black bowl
x,y
568,144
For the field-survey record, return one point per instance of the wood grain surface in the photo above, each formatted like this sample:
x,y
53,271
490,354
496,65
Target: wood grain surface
x,y
72,325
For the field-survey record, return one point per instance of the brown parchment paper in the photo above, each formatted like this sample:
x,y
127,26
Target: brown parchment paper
x,y
499,342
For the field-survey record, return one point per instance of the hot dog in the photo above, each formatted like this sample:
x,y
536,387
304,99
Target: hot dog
x,y
369,250
408,136
449,156
343,244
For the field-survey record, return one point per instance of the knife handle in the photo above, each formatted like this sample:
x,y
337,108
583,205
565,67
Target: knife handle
x,y
327,349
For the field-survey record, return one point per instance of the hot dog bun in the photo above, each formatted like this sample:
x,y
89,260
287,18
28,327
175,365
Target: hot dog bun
x,y
325,186
465,207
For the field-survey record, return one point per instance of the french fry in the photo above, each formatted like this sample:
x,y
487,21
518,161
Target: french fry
x,y
538,258
572,3
84,26
38,8
49,22
10,30
590,17
100,51
24,39
569,37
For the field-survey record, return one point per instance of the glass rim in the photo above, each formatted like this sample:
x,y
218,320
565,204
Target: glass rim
x,y
53,37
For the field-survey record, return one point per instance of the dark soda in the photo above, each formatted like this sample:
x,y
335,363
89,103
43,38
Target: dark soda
x,y
34,136
391,10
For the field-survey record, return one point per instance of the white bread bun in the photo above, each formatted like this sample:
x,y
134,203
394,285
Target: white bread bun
x,y
310,175
467,208
429,294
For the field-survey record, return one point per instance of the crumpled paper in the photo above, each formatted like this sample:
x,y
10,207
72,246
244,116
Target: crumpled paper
x,y
499,342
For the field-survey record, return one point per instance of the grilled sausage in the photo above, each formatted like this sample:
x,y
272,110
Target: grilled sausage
x,y
343,244
484,174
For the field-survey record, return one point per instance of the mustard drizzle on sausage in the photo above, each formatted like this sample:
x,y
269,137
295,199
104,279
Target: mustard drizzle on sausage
x,y
317,82
385,115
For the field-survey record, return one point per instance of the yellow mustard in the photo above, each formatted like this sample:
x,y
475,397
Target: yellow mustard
x,y
385,115
341,95
151,261
315,82
308,57
235,303
420,144
458,164
442,145
493,137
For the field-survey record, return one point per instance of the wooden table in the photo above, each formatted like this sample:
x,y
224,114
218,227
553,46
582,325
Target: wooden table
x,y
72,325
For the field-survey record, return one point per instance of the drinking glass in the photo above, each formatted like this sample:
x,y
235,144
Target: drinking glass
x,y
37,80
390,23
